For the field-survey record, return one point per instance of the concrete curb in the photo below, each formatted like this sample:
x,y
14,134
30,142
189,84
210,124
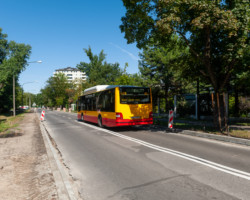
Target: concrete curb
x,y
230,139
63,186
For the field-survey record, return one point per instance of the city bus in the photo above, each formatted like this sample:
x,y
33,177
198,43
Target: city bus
x,y
115,105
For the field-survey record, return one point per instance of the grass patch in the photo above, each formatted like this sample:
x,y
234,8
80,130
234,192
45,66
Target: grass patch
x,y
194,127
207,129
8,124
240,134
242,123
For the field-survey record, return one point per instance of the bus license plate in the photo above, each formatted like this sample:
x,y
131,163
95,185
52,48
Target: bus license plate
x,y
136,117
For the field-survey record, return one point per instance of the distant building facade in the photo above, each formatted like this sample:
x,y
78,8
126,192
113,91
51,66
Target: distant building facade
x,y
72,74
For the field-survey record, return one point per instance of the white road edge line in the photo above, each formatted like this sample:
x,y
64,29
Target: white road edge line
x,y
202,161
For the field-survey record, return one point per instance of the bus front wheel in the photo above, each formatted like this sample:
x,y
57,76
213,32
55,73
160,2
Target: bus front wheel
x,y
100,121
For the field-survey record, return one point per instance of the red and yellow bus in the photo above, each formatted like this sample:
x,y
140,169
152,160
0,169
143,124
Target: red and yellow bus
x,y
114,105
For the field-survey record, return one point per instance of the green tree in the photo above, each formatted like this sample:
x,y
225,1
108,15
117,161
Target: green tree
x,y
98,71
215,31
129,79
39,99
55,91
3,54
240,81
76,90
13,60
159,64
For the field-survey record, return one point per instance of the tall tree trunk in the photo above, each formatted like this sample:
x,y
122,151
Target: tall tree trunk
x,y
225,102
214,110
166,98
236,101
218,106
198,98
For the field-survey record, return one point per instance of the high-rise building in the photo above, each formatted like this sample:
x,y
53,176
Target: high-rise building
x,y
72,74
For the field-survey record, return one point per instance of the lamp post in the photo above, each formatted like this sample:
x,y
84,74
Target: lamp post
x,y
30,99
22,88
14,97
14,93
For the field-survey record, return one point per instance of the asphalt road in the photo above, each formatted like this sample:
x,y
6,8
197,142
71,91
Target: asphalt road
x,y
149,164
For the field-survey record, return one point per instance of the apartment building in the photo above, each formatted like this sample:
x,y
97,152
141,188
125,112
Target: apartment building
x,y
72,74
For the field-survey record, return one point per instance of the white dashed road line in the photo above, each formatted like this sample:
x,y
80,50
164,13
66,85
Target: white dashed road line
x,y
202,161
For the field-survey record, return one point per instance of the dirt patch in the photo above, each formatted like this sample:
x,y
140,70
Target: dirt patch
x,y
11,133
24,168
9,124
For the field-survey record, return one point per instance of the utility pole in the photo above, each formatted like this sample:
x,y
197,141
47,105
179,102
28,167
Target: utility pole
x,y
29,102
14,96
14,90
22,97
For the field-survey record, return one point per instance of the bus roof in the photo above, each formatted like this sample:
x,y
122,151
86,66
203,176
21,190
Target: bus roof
x,y
99,88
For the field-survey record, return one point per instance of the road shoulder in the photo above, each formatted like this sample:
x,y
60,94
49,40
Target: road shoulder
x,y
25,171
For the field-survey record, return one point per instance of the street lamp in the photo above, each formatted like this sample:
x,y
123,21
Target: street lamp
x,y
14,93
39,61
22,88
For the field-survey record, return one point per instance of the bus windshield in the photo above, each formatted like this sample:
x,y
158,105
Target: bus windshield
x,y
134,95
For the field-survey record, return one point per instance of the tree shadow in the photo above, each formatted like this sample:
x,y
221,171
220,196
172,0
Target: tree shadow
x,y
3,120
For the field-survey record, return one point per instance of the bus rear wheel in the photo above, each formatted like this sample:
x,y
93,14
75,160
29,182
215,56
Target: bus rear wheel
x,y
100,121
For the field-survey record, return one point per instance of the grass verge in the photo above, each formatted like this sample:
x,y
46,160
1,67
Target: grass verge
x,y
240,134
245,134
242,123
9,124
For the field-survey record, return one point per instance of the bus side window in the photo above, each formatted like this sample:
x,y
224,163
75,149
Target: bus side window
x,y
100,101
89,103
81,103
94,102
106,101
109,101
112,101
77,104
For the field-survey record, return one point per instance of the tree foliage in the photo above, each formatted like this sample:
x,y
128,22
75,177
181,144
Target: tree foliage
x,y
159,66
13,60
216,33
129,79
59,92
55,91
98,71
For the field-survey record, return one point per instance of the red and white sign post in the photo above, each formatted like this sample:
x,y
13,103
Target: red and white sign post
x,y
170,119
42,115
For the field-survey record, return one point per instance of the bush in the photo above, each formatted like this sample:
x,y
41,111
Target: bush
x,y
185,108
244,106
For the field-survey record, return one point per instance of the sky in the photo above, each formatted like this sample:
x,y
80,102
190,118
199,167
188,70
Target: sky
x,y
59,30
